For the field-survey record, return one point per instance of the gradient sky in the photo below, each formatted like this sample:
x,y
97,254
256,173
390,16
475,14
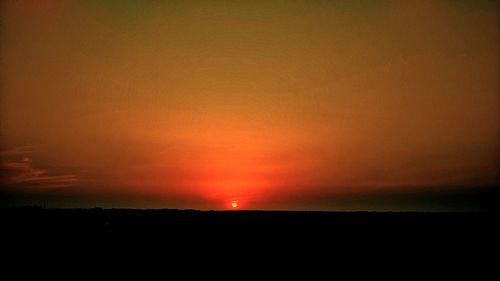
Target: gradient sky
x,y
317,105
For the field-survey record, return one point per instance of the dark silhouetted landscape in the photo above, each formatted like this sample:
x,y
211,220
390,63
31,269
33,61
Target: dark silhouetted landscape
x,y
247,238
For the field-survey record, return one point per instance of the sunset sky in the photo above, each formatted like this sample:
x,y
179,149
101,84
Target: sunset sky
x,y
290,105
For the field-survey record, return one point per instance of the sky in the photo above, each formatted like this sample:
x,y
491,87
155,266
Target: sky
x,y
286,105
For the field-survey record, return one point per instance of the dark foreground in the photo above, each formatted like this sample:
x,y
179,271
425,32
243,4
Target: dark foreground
x,y
83,239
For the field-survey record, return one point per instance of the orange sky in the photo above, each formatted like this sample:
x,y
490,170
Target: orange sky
x,y
274,104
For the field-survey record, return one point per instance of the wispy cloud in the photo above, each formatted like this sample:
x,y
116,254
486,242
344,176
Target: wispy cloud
x,y
18,168
16,151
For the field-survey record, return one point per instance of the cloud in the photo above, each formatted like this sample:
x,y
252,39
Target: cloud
x,y
17,168
21,150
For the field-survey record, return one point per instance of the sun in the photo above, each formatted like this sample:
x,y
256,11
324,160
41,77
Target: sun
x,y
234,204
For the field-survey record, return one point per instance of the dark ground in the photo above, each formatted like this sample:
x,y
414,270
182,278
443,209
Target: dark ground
x,y
123,239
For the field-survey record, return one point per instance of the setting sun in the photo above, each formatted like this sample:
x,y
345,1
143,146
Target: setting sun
x,y
234,204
